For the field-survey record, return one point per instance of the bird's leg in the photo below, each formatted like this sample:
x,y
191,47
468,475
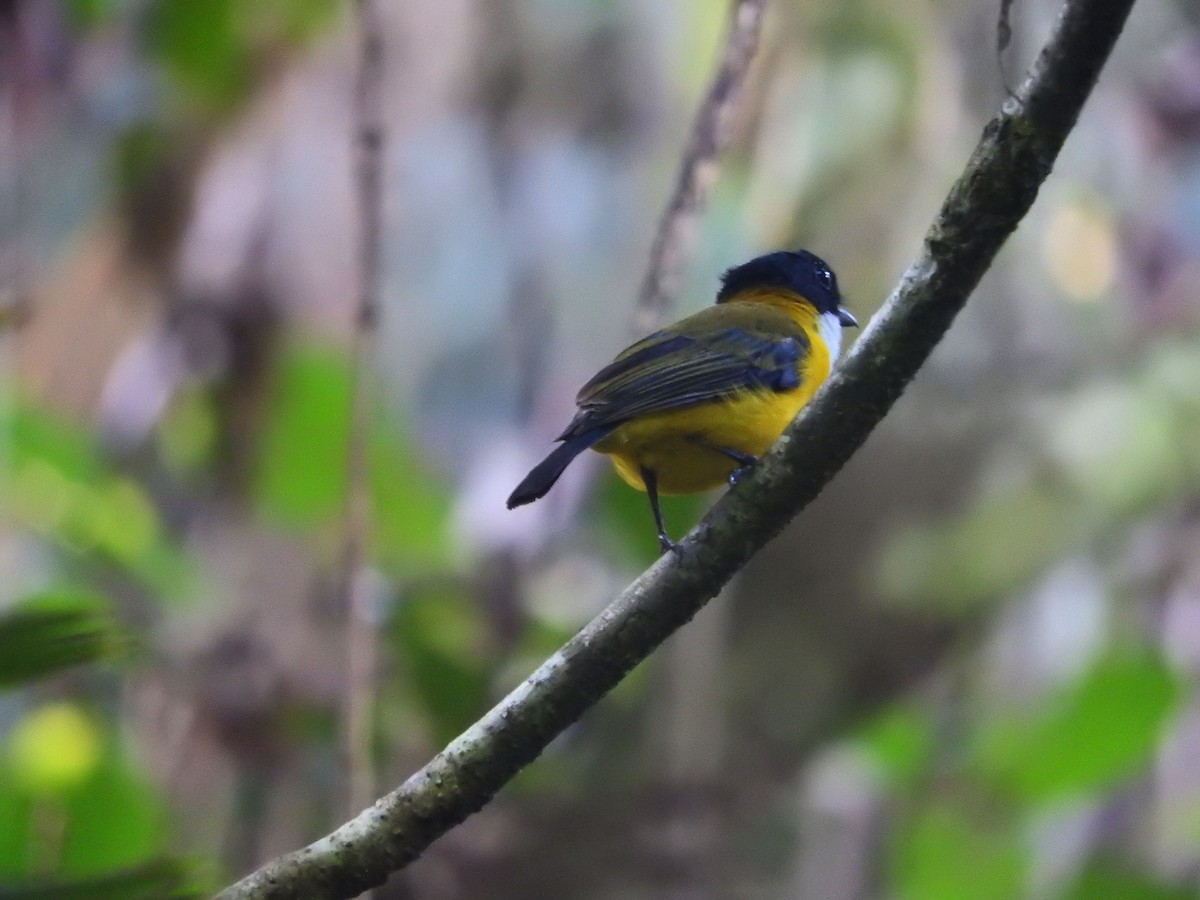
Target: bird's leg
x,y
650,480
745,462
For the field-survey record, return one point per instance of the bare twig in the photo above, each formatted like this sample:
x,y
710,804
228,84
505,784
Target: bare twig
x,y
996,190
15,306
361,650
699,167
1003,39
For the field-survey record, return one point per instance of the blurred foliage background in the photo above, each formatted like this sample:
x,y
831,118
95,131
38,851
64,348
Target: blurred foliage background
x,y
968,671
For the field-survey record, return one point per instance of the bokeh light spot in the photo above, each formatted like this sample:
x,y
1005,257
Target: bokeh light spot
x,y
54,749
1080,250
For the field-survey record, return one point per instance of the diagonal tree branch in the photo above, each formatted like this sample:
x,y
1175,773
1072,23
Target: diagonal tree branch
x,y
997,188
698,170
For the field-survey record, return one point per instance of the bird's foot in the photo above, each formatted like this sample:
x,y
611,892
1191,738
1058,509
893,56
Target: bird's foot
x,y
666,545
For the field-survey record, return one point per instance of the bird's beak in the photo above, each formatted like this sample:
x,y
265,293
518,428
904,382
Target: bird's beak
x,y
846,318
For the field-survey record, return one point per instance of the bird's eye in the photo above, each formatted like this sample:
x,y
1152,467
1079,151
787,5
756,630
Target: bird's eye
x,y
825,279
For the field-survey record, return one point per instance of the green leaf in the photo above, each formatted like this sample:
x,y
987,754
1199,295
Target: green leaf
x,y
165,879
167,571
295,21
1110,881
1099,732
301,476
16,844
120,520
114,821
210,49
55,631
900,742
410,506
946,854
59,485
200,47
443,640
111,822
89,13
301,479
36,435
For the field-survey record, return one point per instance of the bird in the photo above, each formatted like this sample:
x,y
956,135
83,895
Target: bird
x,y
697,403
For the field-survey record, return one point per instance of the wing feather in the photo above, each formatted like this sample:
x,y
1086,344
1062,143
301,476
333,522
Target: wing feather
x,y
669,370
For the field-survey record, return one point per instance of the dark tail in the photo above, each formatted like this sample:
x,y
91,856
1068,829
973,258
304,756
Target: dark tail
x,y
545,473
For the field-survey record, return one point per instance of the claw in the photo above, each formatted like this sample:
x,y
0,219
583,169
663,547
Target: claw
x,y
741,472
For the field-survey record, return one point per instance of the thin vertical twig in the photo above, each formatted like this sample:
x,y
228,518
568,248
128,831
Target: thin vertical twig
x,y
361,638
14,192
699,166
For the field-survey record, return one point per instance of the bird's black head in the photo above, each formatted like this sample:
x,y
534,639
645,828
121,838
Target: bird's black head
x,y
797,271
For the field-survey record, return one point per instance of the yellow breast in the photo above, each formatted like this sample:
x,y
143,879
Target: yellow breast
x,y
680,445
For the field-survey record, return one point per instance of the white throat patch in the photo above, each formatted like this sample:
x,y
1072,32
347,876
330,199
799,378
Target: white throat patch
x,y
831,332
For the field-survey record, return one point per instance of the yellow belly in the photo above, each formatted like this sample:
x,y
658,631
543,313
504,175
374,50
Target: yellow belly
x,y
677,444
